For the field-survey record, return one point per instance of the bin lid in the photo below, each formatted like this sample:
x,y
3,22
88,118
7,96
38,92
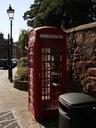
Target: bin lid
x,y
76,99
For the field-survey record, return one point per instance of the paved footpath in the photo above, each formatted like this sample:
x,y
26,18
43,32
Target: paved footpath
x,y
14,105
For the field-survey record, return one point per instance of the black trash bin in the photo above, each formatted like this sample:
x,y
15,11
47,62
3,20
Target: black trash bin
x,y
77,110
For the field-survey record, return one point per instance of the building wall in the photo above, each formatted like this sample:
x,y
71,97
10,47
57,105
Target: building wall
x,y
3,47
16,51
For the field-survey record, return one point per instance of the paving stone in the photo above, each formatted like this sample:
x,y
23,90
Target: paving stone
x,y
9,120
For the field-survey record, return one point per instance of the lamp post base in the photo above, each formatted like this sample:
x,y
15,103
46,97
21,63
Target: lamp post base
x,y
11,81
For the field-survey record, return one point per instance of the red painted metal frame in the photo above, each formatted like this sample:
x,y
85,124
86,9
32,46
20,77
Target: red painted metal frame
x,y
47,38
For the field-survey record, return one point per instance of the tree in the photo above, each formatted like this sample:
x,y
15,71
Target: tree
x,y
78,12
61,13
23,41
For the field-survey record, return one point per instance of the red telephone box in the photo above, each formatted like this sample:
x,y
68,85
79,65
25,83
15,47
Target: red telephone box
x,y
46,70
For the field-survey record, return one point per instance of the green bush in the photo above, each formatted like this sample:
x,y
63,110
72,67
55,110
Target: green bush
x,y
22,68
22,62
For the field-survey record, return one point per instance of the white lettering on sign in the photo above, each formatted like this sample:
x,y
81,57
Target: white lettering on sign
x,y
49,36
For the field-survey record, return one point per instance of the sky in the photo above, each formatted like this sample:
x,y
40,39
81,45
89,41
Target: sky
x,y
20,6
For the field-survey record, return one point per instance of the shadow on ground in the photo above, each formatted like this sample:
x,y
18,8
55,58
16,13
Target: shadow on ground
x,y
50,123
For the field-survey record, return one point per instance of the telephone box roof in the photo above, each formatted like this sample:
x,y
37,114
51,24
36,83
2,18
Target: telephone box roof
x,y
46,27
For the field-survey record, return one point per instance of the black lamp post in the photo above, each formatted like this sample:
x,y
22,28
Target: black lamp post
x,y
10,12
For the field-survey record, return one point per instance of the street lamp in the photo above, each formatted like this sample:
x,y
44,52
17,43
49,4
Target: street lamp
x,y
10,12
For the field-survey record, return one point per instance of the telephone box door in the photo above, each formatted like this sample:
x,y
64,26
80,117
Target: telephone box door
x,y
51,77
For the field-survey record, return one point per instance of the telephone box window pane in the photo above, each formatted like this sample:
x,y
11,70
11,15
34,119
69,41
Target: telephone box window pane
x,y
45,50
30,71
30,50
30,57
30,64
46,58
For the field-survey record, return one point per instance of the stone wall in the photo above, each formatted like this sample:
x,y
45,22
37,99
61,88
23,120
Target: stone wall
x,y
85,38
82,56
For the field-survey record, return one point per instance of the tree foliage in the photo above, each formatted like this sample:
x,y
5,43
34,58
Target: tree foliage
x,y
22,68
23,41
61,13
